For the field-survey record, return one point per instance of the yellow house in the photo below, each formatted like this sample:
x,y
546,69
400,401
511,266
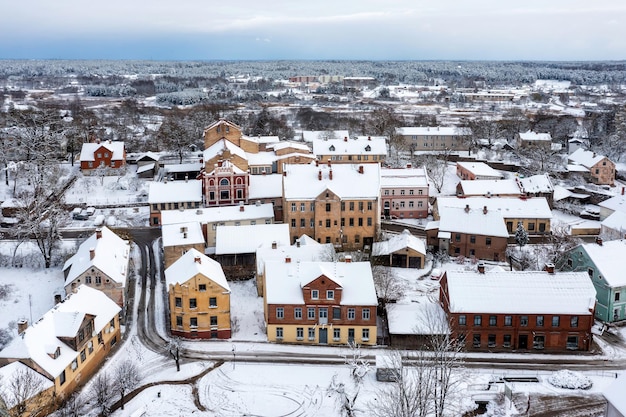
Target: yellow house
x,y
199,297
70,342
178,238
325,303
34,398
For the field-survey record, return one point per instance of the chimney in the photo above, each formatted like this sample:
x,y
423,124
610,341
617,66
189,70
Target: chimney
x,y
241,207
284,173
317,163
330,174
345,138
297,243
360,169
197,259
258,203
481,268
369,138
98,233
485,210
348,259
319,175
549,268
599,241
92,253
409,165
22,325
594,154
467,209
287,259
623,190
184,235
186,178
274,245
329,162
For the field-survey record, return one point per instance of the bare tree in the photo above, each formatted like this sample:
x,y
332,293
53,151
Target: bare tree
x,y
72,405
174,349
174,137
22,394
388,286
436,167
101,389
346,394
126,376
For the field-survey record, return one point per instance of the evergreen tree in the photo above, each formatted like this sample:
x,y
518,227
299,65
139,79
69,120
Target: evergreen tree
x,y
521,235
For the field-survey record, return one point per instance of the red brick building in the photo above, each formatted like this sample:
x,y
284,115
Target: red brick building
x,y
521,311
102,155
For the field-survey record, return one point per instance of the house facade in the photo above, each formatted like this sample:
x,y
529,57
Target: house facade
x,y
599,168
524,311
173,195
70,342
336,204
199,297
106,154
403,250
179,238
600,261
324,303
530,139
359,150
404,193
101,262
476,171
437,138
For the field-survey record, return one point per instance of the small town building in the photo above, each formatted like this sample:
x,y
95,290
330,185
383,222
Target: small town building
x,y
179,238
530,139
402,250
476,171
414,325
173,195
199,297
361,149
404,193
106,154
435,139
615,399
598,168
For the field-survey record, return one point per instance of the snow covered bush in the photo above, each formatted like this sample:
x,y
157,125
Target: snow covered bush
x,y
570,380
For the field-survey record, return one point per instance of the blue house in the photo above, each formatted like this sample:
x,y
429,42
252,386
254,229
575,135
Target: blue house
x,y
602,261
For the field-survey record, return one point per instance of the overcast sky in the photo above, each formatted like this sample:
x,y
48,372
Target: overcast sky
x,y
314,29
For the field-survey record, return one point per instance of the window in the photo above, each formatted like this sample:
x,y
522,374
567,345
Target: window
x,y
556,321
508,320
539,321
202,287
488,241
315,294
351,314
193,303
302,207
401,192
98,280
491,340
478,320
351,205
462,320
224,182
280,313
369,205
293,222
62,378
213,302
472,239
327,223
523,321
336,335
493,320
476,340
365,314
457,237
312,207
311,333
542,227
293,206
297,313
506,342
193,321
357,238
351,222
83,355
369,221
360,221
279,333
87,280
336,313
617,296
330,295
572,343
365,335
590,272
179,321
310,313
312,223
299,333
302,222
539,342
213,320
178,302
411,204
573,321
531,227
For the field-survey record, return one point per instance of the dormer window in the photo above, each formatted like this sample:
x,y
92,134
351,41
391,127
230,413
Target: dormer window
x,y
331,148
368,148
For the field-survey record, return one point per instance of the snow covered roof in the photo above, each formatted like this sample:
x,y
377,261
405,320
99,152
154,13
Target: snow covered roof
x,y
480,169
185,233
616,221
302,182
310,135
509,207
362,145
149,156
535,136
308,249
521,292
88,150
288,144
193,263
145,168
432,131
263,139
585,158
284,281
261,158
474,222
40,338
248,238
110,255
218,214
490,187
190,166
399,242
175,191
606,258
616,203
403,177
422,318
265,186
220,146
614,394
7,373
536,184
561,193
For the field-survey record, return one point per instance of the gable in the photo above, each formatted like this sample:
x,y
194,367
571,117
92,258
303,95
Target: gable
x,y
322,282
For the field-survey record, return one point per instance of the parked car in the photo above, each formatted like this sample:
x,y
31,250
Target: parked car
x,y
99,220
82,215
111,221
90,211
76,212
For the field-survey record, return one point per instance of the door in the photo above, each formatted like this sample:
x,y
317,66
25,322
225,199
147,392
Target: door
x,y
523,341
323,315
350,335
323,336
